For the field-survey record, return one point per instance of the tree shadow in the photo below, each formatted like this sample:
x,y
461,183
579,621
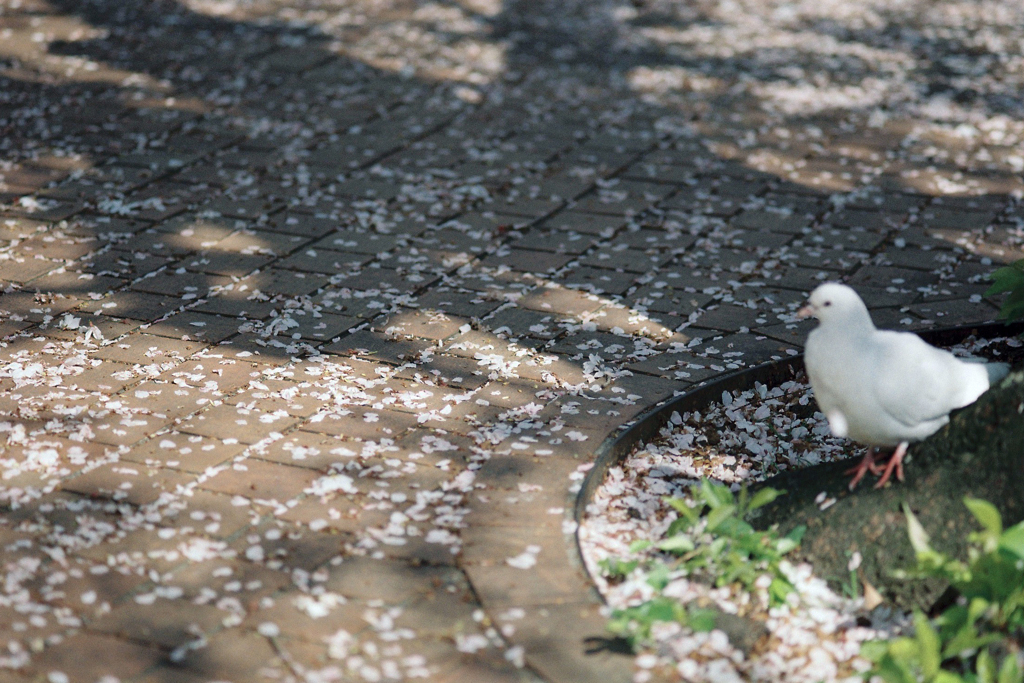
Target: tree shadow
x,y
489,206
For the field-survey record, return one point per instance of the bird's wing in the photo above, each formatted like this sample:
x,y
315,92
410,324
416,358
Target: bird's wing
x,y
915,383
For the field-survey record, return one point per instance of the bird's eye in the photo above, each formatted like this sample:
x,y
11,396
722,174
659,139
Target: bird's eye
x,y
828,303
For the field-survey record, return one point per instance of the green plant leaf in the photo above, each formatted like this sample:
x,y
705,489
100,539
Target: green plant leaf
x,y
734,527
614,567
778,590
874,650
658,577
661,609
918,536
719,514
1010,671
929,647
716,495
791,540
892,670
904,648
986,514
1012,540
1013,304
764,497
985,667
1006,279
677,544
678,526
689,513
640,545
702,620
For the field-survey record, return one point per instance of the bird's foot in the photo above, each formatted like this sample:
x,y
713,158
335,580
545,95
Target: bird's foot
x,y
895,463
868,464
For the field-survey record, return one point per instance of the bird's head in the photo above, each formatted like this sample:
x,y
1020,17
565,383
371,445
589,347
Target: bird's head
x,y
834,301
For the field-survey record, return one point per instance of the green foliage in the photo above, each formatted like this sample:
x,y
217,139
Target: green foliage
x,y
710,541
851,588
1010,279
977,639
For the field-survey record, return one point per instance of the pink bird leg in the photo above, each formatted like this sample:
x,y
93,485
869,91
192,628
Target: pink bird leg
x,y
895,463
868,464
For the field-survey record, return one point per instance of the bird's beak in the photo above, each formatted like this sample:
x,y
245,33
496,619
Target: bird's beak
x,y
805,312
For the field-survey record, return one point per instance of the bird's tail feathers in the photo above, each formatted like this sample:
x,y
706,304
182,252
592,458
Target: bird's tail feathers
x,y
996,371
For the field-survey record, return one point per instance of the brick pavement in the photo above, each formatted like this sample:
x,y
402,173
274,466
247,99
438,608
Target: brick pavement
x,y
314,314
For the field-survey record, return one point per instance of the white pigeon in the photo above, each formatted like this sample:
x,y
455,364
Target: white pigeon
x,y
879,387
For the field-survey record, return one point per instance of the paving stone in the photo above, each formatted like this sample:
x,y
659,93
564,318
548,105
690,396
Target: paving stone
x,y
84,584
501,585
373,346
75,284
34,307
226,263
728,317
125,430
232,655
312,260
21,269
187,452
801,279
9,328
99,328
562,642
274,281
363,578
441,370
632,260
301,224
247,582
626,197
179,283
87,657
250,349
527,261
585,223
353,241
678,303
425,324
937,313
271,395
306,449
242,424
313,325
513,321
170,625
128,482
240,303
361,423
216,515
558,241
257,479
885,277
534,507
147,349
161,399
464,304
285,548
623,321
296,623
134,305
213,376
